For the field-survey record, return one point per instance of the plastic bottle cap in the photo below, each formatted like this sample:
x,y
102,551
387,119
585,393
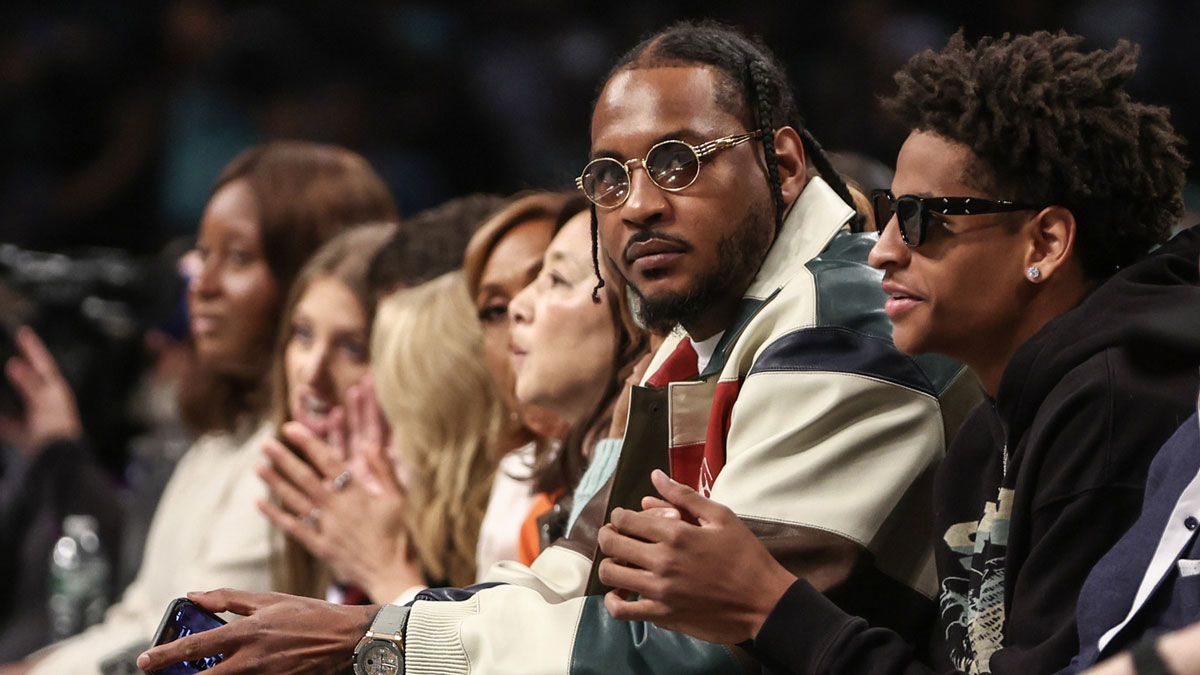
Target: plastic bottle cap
x,y
76,525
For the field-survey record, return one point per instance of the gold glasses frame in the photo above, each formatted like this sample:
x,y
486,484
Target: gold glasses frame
x,y
700,151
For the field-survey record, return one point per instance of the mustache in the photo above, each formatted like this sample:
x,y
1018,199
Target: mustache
x,y
643,236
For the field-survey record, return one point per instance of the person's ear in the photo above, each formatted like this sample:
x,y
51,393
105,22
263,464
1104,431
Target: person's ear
x,y
1051,243
793,169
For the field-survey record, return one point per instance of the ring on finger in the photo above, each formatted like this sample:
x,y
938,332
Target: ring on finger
x,y
339,483
312,518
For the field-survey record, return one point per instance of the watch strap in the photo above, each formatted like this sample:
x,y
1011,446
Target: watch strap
x,y
390,620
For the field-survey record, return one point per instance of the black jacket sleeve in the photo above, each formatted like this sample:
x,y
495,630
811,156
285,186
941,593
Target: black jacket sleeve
x,y
1078,487
807,633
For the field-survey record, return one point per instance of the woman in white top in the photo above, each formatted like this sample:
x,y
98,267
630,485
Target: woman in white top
x,y
270,208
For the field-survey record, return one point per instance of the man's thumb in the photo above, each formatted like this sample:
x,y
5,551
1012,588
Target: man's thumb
x,y
692,504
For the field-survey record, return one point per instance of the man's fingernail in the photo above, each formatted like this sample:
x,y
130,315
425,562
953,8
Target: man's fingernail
x,y
143,660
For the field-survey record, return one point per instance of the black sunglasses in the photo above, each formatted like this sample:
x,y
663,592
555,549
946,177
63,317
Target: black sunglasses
x,y
913,212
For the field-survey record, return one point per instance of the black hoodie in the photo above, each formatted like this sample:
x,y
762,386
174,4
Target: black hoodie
x,y
1036,486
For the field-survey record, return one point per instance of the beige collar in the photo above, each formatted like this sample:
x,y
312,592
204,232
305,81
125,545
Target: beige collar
x,y
814,218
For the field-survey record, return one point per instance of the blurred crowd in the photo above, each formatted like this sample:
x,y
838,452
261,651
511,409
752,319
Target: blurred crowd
x,y
118,114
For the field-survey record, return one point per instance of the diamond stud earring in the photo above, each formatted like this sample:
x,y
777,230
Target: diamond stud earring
x,y
1034,273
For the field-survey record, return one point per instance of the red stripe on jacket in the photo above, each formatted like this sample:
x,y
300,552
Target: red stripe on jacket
x,y
698,464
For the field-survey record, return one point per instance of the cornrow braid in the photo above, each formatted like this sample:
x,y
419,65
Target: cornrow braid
x,y
751,85
596,255
760,83
816,154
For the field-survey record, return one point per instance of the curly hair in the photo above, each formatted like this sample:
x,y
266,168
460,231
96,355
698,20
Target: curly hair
x,y
1052,124
752,86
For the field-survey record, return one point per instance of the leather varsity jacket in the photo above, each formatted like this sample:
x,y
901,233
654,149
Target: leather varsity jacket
x,y
807,423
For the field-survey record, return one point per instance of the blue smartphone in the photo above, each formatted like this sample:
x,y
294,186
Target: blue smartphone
x,y
183,618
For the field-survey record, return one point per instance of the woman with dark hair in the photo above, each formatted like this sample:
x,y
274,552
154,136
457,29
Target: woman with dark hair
x,y
270,209
503,257
571,352
300,195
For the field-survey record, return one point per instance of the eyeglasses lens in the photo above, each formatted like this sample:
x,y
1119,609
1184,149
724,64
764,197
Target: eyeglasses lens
x,y
606,182
672,165
883,210
911,217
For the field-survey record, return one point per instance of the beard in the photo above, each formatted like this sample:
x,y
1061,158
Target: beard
x,y
740,253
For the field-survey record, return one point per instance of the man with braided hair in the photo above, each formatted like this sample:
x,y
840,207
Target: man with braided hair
x,y
780,393
1015,238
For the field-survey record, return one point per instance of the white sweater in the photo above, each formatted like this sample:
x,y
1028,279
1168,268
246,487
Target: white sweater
x,y
207,533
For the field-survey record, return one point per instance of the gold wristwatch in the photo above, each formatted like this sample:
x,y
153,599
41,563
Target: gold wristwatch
x,y
381,650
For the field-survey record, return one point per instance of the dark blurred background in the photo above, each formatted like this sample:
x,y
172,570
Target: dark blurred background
x,y
116,115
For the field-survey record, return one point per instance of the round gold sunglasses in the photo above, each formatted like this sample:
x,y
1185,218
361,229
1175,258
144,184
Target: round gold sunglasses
x,y
671,165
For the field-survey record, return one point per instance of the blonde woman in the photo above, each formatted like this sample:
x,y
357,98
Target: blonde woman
x,y
426,447
439,396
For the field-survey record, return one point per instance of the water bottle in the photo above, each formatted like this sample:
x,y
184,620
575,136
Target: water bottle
x,y
79,577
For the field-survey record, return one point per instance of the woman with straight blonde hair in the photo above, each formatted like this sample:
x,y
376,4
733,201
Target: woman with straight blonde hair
x,y
446,413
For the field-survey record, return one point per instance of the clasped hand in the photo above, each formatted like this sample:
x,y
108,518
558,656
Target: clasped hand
x,y
696,567
346,504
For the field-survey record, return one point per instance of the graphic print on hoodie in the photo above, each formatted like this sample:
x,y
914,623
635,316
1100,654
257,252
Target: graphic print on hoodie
x,y
972,605
1042,480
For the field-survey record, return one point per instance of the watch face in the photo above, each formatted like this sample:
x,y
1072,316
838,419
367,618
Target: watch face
x,y
379,658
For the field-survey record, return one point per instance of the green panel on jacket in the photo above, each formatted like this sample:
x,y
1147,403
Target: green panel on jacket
x,y
849,295
604,645
747,308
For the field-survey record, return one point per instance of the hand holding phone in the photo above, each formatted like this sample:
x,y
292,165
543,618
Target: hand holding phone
x,y
183,618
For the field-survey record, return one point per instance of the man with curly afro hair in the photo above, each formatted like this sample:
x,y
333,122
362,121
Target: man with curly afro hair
x,y
1048,123
1016,238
